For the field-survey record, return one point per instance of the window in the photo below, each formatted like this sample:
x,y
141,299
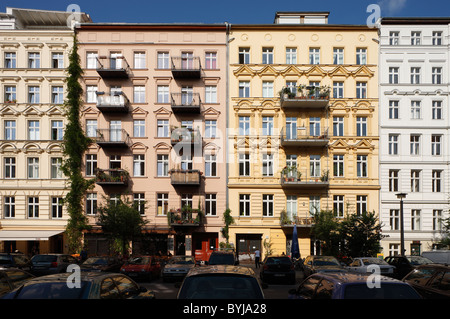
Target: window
x,y
414,143
393,75
393,180
314,205
244,205
437,219
338,56
314,165
436,110
338,126
57,60
10,60
436,145
210,205
163,60
291,206
139,94
267,89
361,204
267,165
415,110
361,126
267,125
34,60
267,205
393,110
244,164
338,90
186,200
437,38
436,75
361,56
57,207
314,56
163,93
139,202
57,95
33,207
244,55
394,219
162,204
338,205
91,128
415,219
10,207
338,165
210,94
91,60
394,38
91,94
244,88
210,128
415,75
91,203
10,167
163,165
211,60
10,94
314,126
139,128
33,94
267,56
115,162
244,125
56,171
33,130
210,165
139,60
91,164
163,128
291,56
415,181
139,165
436,179
361,165
415,37
361,90
57,130
393,144
10,130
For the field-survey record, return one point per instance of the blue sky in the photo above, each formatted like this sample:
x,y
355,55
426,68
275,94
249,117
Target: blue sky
x,y
235,11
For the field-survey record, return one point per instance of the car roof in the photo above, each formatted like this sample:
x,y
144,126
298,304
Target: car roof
x,y
435,265
221,270
84,276
344,278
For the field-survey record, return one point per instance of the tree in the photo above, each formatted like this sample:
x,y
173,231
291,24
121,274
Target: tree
x,y
121,222
444,241
75,143
228,220
326,229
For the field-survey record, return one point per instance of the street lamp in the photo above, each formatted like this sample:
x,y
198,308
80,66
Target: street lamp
x,y
402,230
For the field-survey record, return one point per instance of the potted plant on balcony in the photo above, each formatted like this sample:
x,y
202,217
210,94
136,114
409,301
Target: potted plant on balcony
x,y
284,93
299,176
324,177
284,219
301,92
324,92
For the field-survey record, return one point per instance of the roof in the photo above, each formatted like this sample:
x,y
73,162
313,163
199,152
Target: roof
x,y
415,20
221,270
152,26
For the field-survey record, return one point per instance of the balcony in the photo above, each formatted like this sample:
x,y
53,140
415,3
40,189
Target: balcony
x,y
181,177
302,136
186,67
182,136
113,102
294,178
289,221
112,138
305,97
112,177
113,67
186,103
186,217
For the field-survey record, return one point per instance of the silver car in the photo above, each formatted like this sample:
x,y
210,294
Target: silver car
x,y
177,268
361,265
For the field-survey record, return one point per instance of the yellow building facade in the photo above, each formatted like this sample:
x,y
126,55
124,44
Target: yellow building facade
x,y
311,147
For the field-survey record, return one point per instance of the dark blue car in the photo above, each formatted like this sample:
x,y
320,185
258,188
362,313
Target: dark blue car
x,y
352,286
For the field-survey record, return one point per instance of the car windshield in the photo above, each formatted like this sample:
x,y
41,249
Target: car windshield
x,y
417,260
385,291
96,261
374,261
139,261
278,260
44,258
52,290
181,260
325,261
220,287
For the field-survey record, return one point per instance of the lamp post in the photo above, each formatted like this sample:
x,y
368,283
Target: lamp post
x,y
402,230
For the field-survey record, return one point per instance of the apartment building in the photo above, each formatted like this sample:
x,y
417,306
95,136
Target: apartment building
x,y
414,125
34,49
155,104
303,128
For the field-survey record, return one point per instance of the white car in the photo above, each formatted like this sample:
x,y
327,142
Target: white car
x,y
361,265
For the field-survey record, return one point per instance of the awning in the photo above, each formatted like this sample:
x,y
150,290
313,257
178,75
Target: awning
x,y
28,234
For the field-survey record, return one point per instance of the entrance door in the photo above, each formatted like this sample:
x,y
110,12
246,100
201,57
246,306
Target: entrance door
x,y
204,245
247,244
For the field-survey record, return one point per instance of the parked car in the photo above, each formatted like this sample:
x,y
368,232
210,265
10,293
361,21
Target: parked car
x,y
11,278
314,264
147,267
221,282
177,267
47,264
438,256
405,264
15,260
351,286
361,265
431,281
102,263
93,285
223,258
276,268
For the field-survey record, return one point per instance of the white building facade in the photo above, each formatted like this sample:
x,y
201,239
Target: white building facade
x,y
414,131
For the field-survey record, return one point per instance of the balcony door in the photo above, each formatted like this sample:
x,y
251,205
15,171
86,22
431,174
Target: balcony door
x,y
187,60
116,96
116,60
187,95
291,128
314,126
115,131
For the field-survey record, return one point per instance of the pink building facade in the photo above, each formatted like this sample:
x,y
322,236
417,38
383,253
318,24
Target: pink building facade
x,y
155,104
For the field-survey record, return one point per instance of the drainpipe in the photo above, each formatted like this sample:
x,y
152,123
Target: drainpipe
x,y
227,103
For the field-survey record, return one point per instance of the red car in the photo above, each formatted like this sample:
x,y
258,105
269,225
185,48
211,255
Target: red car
x,y
142,267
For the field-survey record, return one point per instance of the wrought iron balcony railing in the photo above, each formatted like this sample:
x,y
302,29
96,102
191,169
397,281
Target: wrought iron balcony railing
x,y
112,102
304,136
305,97
186,102
112,138
113,67
185,217
293,177
112,177
186,136
186,67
